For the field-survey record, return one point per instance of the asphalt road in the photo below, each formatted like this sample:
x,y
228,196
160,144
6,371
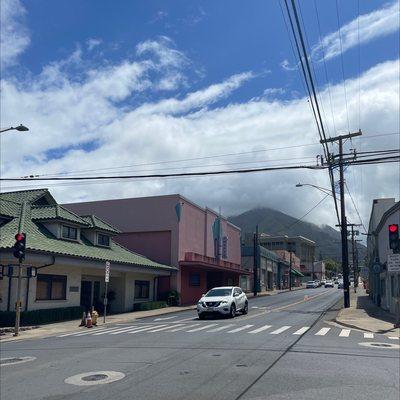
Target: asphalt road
x,y
285,348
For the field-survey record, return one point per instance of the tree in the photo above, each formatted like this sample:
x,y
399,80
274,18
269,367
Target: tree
x,y
331,266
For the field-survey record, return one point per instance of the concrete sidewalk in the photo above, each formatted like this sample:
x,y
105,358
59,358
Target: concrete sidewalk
x,y
130,317
363,314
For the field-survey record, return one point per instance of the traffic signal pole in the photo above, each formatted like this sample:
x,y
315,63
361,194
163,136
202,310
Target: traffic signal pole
x,y
18,301
343,220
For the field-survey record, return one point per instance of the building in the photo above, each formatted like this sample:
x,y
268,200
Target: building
x,y
288,261
203,245
302,247
384,285
68,253
267,263
319,270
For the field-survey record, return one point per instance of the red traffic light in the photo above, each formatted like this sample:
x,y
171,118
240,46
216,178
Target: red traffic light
x,y
394,228
19,237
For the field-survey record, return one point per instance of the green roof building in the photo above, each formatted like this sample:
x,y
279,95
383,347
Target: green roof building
x,y
68,253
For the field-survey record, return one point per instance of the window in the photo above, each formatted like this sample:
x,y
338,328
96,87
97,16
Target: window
x,y
68,232
142,289
103,240
194,280
51,287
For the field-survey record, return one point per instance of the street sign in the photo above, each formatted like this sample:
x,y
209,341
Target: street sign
x,y
107,275
393,263
377,268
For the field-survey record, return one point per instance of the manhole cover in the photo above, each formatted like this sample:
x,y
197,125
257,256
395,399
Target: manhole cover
x,y
94,378
97,377
15,360
380,345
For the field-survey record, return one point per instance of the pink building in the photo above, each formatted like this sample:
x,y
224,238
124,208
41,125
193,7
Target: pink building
x,y
174,231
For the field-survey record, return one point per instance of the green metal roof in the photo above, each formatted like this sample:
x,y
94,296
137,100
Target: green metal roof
x,y
56,212
28,196
296,272
9,208
40,239
96,222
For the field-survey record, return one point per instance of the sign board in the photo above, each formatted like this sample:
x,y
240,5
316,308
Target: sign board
x,y
393,263
107,275
377,268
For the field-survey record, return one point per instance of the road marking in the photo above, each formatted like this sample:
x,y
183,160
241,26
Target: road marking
x,y
106,331
75,333
182,328
201,328
221,328
368,335
127,330
146,329
164,318
162,329
183,320
263,328
393,338
280,330
241,328
344,333
302,330
323,332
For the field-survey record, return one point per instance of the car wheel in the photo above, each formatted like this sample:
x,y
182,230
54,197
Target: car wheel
x,y
245,308
232,311
201,316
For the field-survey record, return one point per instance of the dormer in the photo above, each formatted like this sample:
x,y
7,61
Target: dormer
x,y
99,232
63,224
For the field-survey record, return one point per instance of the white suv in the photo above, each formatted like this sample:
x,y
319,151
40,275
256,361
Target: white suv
x,y
227,300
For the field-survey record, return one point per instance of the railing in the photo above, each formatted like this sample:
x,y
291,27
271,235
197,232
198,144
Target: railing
x,y
195,257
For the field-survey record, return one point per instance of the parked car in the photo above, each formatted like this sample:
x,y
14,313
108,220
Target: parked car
x,y
311,285
227,300
318,282
329,284
323,282
340,284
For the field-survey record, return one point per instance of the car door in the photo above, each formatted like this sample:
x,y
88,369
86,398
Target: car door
x,y
239,298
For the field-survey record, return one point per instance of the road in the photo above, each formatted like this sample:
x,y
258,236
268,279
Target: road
x,y
285,348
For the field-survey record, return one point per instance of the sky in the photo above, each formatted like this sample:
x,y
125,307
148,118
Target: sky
x,y
141,87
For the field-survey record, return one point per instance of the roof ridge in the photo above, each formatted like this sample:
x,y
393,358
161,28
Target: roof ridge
x,y
94,216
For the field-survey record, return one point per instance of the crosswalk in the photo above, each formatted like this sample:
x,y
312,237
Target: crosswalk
x,y
191,327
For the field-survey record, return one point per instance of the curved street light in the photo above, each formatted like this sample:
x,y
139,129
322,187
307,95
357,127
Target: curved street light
x,y
20,128
324,190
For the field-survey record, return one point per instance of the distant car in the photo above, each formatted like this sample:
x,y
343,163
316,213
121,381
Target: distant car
x,y
227,300
323,282
340,285
329,284
318,282
311,285
335,281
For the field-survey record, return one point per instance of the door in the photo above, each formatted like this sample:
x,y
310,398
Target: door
x,y
86,294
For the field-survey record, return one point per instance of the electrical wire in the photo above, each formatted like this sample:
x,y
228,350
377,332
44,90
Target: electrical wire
x,y
355,207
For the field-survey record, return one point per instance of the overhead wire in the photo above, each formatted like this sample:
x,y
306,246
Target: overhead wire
x,y
355,207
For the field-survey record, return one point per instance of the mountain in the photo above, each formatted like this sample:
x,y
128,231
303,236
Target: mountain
x,y
274,222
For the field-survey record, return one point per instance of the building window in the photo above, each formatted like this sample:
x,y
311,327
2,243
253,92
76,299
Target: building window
x,y
51,287
142,289
103,240
68,232
194,280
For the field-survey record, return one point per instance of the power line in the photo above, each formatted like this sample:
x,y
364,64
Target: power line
x,y
355,207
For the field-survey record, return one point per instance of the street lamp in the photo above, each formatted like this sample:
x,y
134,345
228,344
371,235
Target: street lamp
x,y
324,190
20,128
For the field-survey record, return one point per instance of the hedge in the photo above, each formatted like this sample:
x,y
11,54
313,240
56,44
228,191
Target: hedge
x,y
36,317
149,305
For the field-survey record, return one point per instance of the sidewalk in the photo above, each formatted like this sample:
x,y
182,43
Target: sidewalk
x,y
363,314
130,317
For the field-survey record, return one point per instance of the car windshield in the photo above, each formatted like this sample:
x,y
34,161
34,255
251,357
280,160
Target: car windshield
x,y
310,282
219,292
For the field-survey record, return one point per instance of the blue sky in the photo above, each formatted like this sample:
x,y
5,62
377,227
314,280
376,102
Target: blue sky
x,y
112,84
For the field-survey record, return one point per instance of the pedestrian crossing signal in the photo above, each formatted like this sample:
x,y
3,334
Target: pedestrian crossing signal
x,y
19,246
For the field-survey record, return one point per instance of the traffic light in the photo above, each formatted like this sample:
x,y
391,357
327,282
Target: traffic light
x,y
394,241
19,246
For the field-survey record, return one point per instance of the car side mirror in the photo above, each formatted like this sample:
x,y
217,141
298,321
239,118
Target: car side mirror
x,y
203,295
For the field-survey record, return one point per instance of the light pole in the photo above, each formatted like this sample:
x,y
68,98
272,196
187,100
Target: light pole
x,y
324,190
20,128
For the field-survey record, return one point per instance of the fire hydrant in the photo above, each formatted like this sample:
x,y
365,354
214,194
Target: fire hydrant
x,y
95,315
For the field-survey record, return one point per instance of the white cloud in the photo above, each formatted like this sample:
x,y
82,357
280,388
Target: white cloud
x,y
376,24
14,35
285,64
92,43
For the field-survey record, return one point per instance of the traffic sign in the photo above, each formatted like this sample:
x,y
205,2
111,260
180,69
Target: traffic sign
x,y
393,263
107,275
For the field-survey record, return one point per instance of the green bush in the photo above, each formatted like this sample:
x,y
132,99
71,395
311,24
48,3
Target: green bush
x,y
37,317
149,305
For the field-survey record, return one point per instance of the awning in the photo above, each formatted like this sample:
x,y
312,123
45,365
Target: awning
x,y
296,273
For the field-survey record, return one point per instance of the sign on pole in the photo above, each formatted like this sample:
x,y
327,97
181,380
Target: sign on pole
x,y
393,263
107,276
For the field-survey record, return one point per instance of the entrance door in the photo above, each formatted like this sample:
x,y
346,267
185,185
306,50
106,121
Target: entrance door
x,y
86,294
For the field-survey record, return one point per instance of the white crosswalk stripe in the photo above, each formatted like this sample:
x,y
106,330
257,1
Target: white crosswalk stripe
x,y
344,333
182,327
221,328
323,332
201,328
368,335
393,338
241,328
145,329
302,330
261,329
162,329
126,330
280,330
107,331
164,318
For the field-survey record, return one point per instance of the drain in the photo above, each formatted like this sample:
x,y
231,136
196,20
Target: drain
x,y
94,378
380,345
15,360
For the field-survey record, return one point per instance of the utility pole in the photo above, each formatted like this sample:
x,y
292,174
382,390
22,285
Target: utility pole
x,y
353,247
290,270
343,221
255,262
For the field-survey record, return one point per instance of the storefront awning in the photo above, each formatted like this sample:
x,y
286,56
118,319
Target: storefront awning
x,y
296,273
